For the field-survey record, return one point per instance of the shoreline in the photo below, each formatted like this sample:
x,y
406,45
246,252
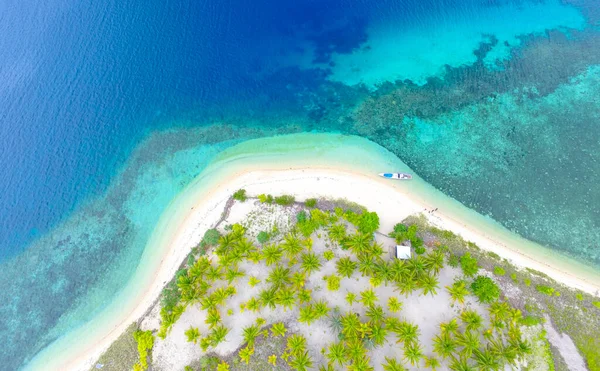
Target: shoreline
x,y
306,170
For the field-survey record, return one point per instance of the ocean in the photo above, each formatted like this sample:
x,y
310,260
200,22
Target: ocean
x,y
109,109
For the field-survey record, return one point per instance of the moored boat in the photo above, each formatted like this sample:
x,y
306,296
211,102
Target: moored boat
x,y
398,176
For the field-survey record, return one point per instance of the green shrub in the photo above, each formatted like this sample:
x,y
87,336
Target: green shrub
x,y
485,289
145,342
492,255
579,296
328,255
453,260
311,202
530,320
368,223
499,271
399,229
546,290
333,282
513,277
284,200
420,250
263,237
240,195
170,295
527,282
469,265
596,304
265,199
211,237
301,216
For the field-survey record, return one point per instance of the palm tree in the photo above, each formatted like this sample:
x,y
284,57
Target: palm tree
x,y
392,365
413,352
255,256
223,366
429,284
245,353
268,298
351,298
218,334
449,327
393,324
291,245
190,296
366,265
296,344
272,254
303,296
500,310
321,309
214,273
279,276
365,329
375,313
407,333
471,319
192,334
301,361
345,267
337,354
515,316
232,274
398,269
416,265
368,297
461,364
443,345
435,261
383,271
310,263
243,247
225,243
355,350
375,249
251,333
361,364
307,315
298,280
254,304
431,362
337,232
486,360
469,341
458,291
359,243
213,318
407,284
350,325
286,297
394,305
378,334
185,283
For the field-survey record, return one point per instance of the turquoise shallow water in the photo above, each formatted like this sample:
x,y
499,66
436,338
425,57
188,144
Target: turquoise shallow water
x,y
498,108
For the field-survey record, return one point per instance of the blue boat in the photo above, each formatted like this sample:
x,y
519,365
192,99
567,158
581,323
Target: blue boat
x,y
398,176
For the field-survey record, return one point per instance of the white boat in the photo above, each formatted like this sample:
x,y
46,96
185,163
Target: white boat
x,y
398,176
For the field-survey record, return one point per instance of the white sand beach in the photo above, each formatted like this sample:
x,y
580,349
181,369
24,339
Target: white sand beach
x,y
306,165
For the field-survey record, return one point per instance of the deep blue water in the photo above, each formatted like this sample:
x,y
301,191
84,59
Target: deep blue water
x,y
83,83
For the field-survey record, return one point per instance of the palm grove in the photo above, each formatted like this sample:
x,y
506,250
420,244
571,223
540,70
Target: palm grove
x,y
466,342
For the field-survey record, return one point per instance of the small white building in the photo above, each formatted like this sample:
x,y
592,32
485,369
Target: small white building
x,y
403,252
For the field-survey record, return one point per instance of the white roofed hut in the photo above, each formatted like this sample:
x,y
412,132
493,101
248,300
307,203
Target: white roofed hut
x,y
402,251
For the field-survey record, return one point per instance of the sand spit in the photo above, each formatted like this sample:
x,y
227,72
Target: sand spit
x,y
305,165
